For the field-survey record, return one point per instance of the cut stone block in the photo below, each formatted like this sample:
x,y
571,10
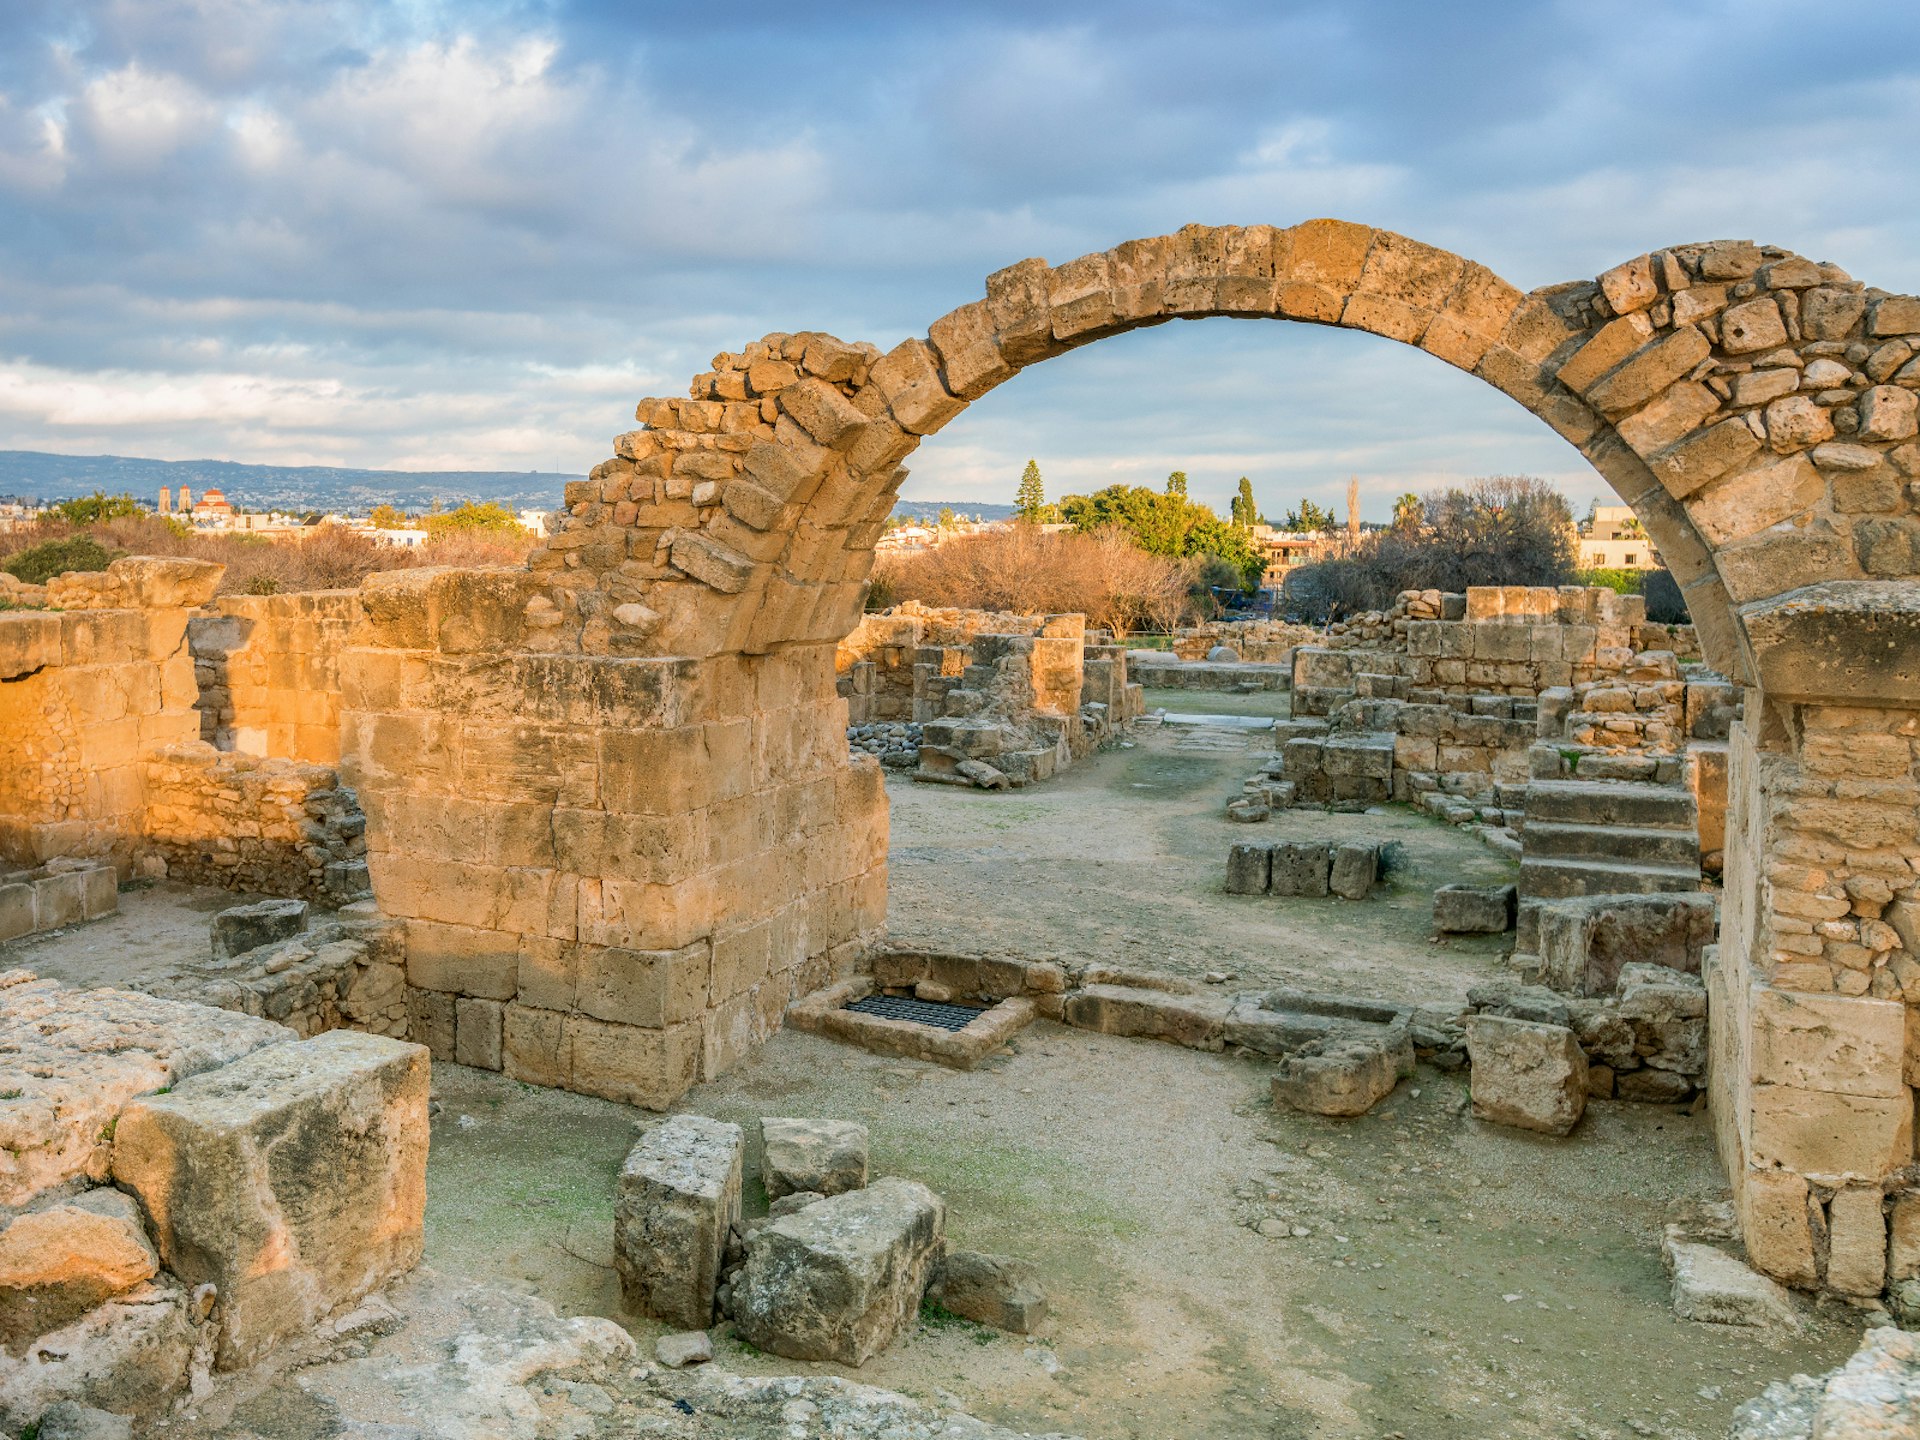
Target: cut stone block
x,y
844,1277
1248,866
1301,868
293,1180
128,1354
1355,868
1526,1074
1584,942
248,927
679,1194
828,1157
996,1290
1342,1075
1473,909
1711,1286
57,1264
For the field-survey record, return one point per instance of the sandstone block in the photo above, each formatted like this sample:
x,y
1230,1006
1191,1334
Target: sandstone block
x,y
679,1193
1856,1241
844,1277
128,1354
1355,867
1341,1075
293,1180
247,927
1301,868
1473,910
1248,866
996,1290
828,1157
1526,1074
57,1264
1710,1285
1776,1226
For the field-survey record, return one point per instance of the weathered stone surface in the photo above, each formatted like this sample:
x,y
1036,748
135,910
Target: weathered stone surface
x,y
293,1180
128,1355
1473,909
57,1264
247,927
1249,864
68,1421
841,1279
77,1057
1355,867
1341,1075
1711,1286
998,1290
827,1157
1301,867
1874,1396
1585,941
1526,1074
683,1348
679,1193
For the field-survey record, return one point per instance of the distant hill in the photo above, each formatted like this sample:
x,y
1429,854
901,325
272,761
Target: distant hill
x,y
38,475
929,510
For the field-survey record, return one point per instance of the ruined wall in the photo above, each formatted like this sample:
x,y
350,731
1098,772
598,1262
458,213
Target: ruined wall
x,y
615,872
87,691
268,670
269,827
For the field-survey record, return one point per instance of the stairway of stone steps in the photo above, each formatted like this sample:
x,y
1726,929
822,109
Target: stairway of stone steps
x,y
1605,837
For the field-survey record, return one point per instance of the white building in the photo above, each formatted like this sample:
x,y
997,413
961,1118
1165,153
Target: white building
x,y
1613,540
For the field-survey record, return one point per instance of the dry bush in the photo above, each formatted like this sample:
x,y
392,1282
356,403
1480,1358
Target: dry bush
x,y
1103,575
325,557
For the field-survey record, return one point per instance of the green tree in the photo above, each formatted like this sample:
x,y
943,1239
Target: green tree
x,y
86,509
1310,517
1406,511
38,564
388,517
946,519
468,517
1164,524
1030,502
1246,514
1177,484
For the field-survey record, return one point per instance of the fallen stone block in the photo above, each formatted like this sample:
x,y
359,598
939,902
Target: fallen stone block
x,y
1355,867
1526,1074
1586,941
827,1157
248,927
1473,909
1196,1021
683,1348
1301,868
996,1290
1249,810
1710,1285
1341,1075
294,1181
844,1277
1248,866
57,1264
678,1195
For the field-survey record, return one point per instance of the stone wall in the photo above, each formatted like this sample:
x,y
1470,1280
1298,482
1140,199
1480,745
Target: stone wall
x,y
268,670
614,872
268,827
87,691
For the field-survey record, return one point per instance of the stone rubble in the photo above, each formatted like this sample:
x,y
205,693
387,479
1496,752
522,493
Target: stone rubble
x,y
678,1199
823,1157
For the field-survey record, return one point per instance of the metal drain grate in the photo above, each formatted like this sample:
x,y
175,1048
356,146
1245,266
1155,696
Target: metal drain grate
x,y
918,1012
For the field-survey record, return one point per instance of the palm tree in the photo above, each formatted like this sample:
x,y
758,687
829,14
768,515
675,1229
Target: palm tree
x,y
1406,511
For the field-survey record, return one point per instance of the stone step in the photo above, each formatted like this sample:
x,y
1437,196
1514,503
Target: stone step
x,y
1560,879
1610,802
1628,844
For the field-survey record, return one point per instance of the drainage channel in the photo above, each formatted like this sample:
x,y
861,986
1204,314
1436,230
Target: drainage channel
x,y
919,1012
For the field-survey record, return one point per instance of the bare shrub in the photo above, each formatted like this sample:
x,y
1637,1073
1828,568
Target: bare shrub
x,y
1102,575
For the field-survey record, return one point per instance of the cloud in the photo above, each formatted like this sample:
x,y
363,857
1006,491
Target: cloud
x,y
384,231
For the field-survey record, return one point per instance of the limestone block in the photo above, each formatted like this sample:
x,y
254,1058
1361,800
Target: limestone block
x,y
1826,1135
1903,1238
247,927
1710,1285
1195,1021
1473,910
844,1277
678,1195
828,1157
128,1355
1852,1045
1526,1074
1856,1241
293,1180
1301,868
997,1290
1776,1225
1355,867
1248,866
57,1264
1341,1075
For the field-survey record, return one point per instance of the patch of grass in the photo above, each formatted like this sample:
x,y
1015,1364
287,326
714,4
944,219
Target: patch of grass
x,y
935,1316
1011,1183
11,1094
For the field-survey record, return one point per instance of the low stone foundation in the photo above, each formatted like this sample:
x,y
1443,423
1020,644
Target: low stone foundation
x,y
61,892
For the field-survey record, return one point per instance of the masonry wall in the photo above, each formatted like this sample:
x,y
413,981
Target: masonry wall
x,y
615,873
268,671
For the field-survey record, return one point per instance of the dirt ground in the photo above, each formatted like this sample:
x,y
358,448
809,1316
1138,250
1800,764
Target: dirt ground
x,y
1217,1268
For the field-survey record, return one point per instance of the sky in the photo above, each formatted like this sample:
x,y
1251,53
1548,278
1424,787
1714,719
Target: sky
x,y
454,234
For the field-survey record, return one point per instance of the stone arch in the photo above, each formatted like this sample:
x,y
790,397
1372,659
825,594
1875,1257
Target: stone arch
x,y
610,794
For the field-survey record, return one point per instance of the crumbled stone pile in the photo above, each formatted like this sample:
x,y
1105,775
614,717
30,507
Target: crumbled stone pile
x,y
895,743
